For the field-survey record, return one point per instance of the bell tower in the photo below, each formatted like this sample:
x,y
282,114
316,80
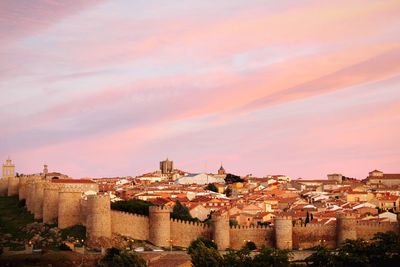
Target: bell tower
x,y
8,169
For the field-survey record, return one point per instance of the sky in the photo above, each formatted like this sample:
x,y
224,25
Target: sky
x,y
110,88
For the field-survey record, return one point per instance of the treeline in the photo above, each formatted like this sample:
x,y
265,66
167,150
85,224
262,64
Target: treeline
x,y
137,206
382,250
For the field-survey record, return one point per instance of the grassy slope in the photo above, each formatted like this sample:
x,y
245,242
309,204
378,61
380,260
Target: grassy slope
x,y
13,218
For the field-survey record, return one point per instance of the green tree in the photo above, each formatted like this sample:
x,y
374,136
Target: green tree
x,y
205,256
136,206
250,245
121,258
231,178
181,212
271,257
307,218
323,257
211,187
201,240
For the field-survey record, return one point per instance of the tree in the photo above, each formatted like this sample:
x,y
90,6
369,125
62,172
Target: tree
x,y
211,187
250,245
323,257
201,240
205,256
228,192
231,178
121,258
136,206
271,257
181,212
307,219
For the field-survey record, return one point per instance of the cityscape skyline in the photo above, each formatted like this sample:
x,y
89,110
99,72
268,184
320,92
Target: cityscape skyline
x,y
105,89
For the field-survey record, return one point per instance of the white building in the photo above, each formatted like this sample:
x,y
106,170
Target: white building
x,y
199,178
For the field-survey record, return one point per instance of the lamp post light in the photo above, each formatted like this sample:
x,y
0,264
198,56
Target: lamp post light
x,y
170,244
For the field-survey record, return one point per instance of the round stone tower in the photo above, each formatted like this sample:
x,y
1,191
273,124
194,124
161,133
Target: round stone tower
x,y
98,220
160,226
30,193
69,207
38,209
220,231
283,232
50,202
22,187
13,185
345,228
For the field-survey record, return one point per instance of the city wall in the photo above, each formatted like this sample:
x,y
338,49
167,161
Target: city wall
x,y
69,206
367,230
184,232
131,225
313,235
260,235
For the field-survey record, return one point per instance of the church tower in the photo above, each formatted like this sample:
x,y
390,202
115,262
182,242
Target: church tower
x,y
45,170
8,169
221,170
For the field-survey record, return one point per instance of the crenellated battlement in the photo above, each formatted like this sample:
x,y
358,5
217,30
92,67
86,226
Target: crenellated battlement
x,y
159,209
376,224
315,225
283,217
255,227
197,224
70,190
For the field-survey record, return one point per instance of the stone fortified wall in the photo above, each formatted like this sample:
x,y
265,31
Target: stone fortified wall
x,y
260,235
184,232
22,187
98,219
38,209
220,231
51,201
3,186
69,203
159,226
13,186
312,235
284,232
132,225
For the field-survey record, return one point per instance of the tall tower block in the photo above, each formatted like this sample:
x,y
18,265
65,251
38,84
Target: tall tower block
x,y
69,207
98,220
283,232
345,228
160,226
220,231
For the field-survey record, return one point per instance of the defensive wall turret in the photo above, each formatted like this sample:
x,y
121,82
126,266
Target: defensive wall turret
x,y
69,207
38,209
283,232
345,228
98,220
22,187
50,202
220,231
159,226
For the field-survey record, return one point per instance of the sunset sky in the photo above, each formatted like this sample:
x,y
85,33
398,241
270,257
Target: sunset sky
x,y
110,88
